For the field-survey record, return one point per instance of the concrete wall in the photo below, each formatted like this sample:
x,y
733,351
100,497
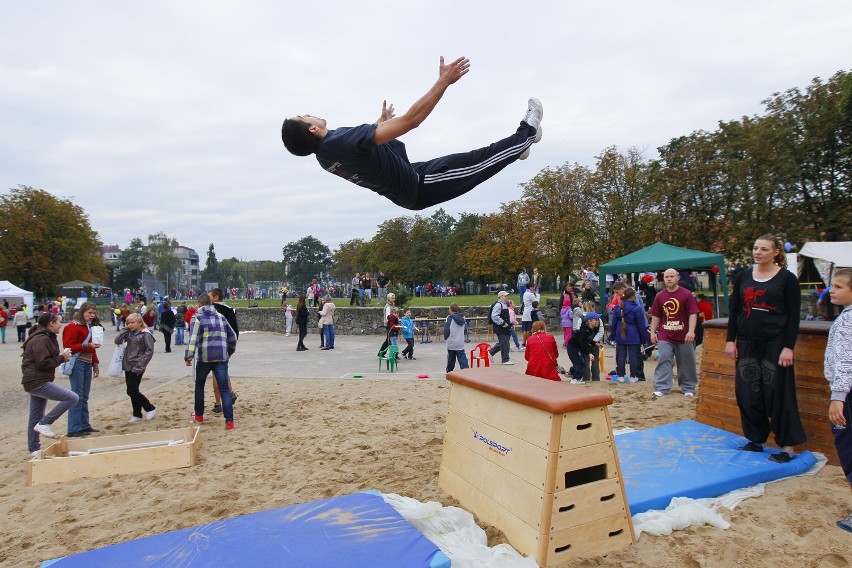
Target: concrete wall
x,y
370,321
350,321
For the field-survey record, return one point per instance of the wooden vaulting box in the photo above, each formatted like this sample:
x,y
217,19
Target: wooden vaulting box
x,y
536,459
73,458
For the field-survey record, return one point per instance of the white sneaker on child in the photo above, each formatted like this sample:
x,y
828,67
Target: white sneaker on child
x,y
134,419
150,414
45,430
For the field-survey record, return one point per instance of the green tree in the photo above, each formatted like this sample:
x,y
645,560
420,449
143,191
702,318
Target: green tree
x,y
161,257
390,249
425,246
307,258
348,258
45,240
555,214
463,231
231,273
131,265
211,267
268,271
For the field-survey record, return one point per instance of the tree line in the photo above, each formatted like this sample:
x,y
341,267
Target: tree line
x,y
785,171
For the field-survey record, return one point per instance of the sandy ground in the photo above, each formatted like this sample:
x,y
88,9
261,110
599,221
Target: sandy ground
x,y
307,430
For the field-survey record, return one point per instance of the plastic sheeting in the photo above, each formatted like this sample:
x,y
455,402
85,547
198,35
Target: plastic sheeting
x,y
457,535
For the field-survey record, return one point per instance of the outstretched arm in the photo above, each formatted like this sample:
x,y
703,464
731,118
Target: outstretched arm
x,y
395,127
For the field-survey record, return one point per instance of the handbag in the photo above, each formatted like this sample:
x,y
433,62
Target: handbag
x,y
67,367
319,323
559,368
116,362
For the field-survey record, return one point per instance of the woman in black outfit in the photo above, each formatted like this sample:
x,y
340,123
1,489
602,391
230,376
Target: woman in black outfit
x,y
762,329
167,325
302,323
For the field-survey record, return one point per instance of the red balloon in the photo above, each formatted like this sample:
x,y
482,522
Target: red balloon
x,y
647,279
715,269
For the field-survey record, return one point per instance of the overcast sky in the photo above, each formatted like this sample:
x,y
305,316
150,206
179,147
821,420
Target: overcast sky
x,y
166,116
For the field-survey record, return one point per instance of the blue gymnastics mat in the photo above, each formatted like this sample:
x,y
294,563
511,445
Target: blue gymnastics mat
x,y
690,459
354,530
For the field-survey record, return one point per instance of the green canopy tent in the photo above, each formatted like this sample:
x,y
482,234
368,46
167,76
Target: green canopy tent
x,y
661,256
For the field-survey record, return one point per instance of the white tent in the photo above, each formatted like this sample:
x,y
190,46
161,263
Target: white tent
x,y
839,253
823,258
15,295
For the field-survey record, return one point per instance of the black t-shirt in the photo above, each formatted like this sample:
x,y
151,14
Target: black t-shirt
x,y
765,311
350,153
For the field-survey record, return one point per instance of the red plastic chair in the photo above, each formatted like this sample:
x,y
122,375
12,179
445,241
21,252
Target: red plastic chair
x,y
480,353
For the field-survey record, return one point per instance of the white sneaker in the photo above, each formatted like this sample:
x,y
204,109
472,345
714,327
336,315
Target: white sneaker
x,y
535,112
526,153
508,363
288,335
150,414
576,382
658,393
45,430
35,453
689,394
134,420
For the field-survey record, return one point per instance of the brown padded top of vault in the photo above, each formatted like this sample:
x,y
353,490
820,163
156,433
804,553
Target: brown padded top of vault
x,y
551,396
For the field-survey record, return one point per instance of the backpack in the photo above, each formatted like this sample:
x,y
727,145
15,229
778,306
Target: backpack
x,y
491,311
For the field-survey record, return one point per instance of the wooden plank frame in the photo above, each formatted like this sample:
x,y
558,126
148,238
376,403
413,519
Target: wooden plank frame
x,y
54,464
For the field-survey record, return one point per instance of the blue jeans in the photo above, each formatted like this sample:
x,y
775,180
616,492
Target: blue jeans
x,y
328,333
220,373
81,384
38,403
521,291
623,353
459,355
179,336
515,338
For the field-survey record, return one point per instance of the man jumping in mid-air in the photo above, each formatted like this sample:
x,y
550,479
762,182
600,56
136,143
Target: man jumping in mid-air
x,y
370,155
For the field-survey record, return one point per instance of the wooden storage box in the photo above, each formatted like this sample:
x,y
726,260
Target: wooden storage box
x,y
717,401
536,459
73,458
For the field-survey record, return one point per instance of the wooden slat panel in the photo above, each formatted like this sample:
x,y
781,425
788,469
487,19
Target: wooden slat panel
x,y
527,461
525,422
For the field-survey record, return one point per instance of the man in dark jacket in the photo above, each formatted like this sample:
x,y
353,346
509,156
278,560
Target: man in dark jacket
x,y
499,318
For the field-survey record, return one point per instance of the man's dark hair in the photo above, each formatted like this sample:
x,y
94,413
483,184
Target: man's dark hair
x,y
215,293
298,139
203,299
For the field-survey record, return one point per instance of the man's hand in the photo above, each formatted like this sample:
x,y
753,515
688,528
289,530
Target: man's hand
x,y
454,71
393,128
387,112
690,337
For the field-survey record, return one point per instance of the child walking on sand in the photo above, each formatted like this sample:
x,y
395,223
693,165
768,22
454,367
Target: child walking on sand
x,y
137,355
838,372
454,336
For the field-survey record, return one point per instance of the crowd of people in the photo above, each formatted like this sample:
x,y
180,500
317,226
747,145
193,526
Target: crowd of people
x,y
763,325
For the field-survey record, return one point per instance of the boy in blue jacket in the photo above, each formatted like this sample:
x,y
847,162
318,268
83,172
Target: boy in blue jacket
x,y
408,331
